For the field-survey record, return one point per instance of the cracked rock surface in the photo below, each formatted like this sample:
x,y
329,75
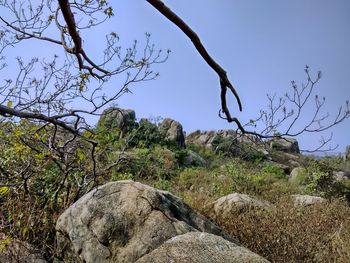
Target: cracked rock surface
x,y
123,221
197,247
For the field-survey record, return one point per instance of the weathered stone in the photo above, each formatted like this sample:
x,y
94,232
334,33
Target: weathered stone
x,y
122,221
306,200
226,205
341,175
116,118
289,145
197,247
297,174
173,130
207,138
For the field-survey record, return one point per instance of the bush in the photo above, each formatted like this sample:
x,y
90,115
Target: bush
x,y
320,180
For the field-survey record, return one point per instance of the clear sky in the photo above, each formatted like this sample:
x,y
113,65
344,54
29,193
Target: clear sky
x,y
263,45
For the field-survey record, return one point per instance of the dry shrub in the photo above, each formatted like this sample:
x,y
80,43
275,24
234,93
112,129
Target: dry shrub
x,y
27,218
318,233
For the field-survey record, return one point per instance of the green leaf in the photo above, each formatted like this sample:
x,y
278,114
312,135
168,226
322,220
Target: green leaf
x,y
9,104
4,190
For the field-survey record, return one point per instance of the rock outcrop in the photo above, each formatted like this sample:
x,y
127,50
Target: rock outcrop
x,y
123,221
197,247
117,118
173,130
208,138
289,145
226,205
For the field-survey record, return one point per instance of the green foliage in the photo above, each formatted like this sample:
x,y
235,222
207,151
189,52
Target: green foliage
x,y
4,190
274,170
318,179
146,134
245,151
162,184
30,208
122,176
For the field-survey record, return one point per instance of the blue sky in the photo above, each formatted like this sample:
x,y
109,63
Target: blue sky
x,y
263,45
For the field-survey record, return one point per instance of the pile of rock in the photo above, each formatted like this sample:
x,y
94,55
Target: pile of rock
x,y
127,221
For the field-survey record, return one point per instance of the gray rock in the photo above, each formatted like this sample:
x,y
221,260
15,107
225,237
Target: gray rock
x,y
123,221
194,159
226,205
207,138
197,247
306,200
289,145
341,175
116,118
173,130
297,174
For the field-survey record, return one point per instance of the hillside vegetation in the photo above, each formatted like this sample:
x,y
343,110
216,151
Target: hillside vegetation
x,y
37,185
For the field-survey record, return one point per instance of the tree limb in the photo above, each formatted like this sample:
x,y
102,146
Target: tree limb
x,y
224,81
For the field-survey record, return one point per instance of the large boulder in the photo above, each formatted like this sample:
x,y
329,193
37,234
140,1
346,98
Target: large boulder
x,y
197,247
226,205
208,138
123,221
173,130
289,145
117,118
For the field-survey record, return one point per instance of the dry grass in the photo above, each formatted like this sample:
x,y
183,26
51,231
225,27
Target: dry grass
x,y
319,233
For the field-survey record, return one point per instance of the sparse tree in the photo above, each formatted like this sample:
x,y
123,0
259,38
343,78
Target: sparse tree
x,y
53,98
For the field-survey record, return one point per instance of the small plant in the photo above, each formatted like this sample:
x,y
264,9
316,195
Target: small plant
x,y
162,184
274,170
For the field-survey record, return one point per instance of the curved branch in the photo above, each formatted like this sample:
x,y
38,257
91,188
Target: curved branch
x,y
224,81
7,112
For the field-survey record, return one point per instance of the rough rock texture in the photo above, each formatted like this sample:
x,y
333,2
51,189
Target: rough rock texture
x,y
288,145
122,221
224,206
193,159
200,138
197,247
347,153
173,130
116,118
341,175
17,251
207,138
296,173
306,200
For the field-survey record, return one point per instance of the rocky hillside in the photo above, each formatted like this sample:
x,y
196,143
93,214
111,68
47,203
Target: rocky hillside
x,y
158,195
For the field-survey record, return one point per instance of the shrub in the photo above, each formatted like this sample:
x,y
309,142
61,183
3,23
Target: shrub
x,y
274,170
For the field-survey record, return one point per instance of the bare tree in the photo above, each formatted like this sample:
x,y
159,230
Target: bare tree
x,y
290,115
52,99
